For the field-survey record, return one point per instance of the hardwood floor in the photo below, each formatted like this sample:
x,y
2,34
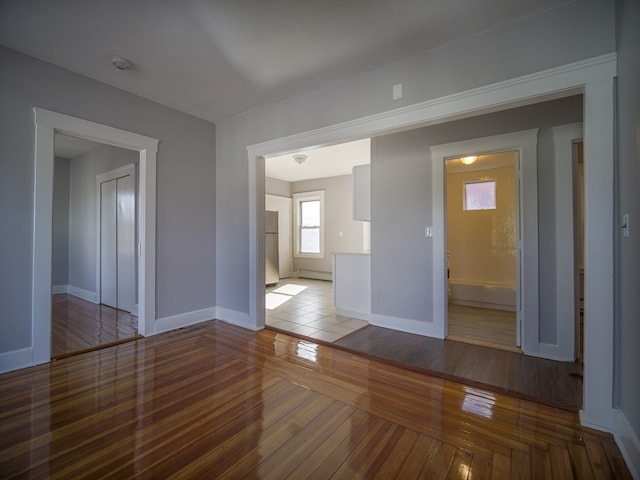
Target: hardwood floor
x,y
216,401
482,326
551,382
79,326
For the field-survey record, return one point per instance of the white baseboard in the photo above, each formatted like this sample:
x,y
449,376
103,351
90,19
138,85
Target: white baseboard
x,y
313,275
166,324
58,289
241,319
135,310
16,359
345,312
408,325
82,293
551,351
628,443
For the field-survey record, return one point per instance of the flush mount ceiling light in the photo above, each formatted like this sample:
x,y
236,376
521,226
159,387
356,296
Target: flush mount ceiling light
x,y
299,159
121,63
469,160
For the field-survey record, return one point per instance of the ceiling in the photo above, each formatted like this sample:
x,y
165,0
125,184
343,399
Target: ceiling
x,y
323,162
66,146
217,58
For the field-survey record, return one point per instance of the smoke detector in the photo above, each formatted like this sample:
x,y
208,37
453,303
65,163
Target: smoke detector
x,y
121,63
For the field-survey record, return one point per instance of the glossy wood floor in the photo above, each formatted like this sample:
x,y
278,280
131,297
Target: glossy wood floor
x,y
79,326
554,383
217,401
482,326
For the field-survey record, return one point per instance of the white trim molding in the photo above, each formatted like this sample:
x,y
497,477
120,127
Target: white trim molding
x,y
592,77
47,124
16,359
526,144
408,325
240,319
166,324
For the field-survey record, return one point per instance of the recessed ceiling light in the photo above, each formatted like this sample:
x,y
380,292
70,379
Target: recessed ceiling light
x,y
121,63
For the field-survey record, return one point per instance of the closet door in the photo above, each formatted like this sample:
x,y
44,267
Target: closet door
x,y
108,244
126,240
117,243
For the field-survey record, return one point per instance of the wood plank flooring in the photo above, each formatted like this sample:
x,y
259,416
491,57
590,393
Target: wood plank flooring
x,y
482,326
79,326
216,401
555,383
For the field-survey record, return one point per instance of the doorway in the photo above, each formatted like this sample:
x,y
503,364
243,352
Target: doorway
x,y
94,266
482,249
49,123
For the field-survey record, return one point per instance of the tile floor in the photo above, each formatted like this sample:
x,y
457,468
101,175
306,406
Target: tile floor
x,y
305,307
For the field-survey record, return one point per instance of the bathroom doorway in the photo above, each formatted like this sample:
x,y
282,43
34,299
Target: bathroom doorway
x,y
482,249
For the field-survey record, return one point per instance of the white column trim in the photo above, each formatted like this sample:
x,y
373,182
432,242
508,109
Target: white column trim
x,y
47,123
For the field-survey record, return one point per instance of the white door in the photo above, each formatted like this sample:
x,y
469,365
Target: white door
x,y
282,205
117,242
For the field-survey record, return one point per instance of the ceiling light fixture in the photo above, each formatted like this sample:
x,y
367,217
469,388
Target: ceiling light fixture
x,y
299,159
469,160
121,63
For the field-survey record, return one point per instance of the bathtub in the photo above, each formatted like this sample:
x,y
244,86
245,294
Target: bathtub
x,y
484,295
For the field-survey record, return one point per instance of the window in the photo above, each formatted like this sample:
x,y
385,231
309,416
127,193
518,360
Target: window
x,y
309,217
480,195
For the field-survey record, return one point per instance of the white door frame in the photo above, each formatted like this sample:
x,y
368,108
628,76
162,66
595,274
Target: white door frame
x,y
47,124
594,78
525,143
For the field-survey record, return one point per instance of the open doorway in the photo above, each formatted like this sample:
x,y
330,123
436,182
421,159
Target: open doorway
x,y
94,263
310,195
482,250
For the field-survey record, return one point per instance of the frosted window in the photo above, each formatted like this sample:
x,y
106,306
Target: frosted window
x,y
480,195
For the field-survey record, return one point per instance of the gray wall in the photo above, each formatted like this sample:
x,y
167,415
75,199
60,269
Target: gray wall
x,y
60,231
571,32
186,182
401,206
274,186
338,217
82,210
628,315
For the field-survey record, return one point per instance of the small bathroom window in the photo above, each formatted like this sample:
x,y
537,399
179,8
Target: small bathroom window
x,y
480,195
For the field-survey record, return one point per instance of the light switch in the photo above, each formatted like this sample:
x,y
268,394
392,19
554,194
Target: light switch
x,y
625,225
397,91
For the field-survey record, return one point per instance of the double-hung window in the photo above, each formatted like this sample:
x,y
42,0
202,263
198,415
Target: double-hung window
x,y
309,219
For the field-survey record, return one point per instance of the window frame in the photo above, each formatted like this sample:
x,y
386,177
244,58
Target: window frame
x,y
465,196
298,199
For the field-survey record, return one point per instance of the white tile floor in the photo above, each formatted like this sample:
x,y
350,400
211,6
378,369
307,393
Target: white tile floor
x,y
305,307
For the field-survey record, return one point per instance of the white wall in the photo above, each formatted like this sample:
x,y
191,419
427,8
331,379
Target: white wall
x,y
60,229
571,32
338,217
185,186
275,186
401,260
627,359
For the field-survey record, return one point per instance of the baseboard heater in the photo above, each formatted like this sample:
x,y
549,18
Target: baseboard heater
x,y
313,275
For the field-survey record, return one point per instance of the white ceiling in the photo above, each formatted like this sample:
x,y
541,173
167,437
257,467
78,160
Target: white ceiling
x,y
66,146
217,58
330,161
